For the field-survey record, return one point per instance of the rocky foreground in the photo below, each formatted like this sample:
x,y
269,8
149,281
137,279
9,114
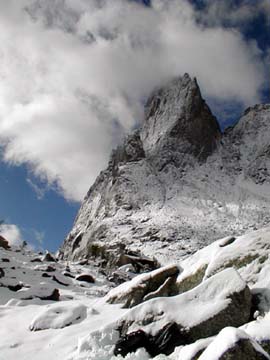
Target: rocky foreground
x,y
212,305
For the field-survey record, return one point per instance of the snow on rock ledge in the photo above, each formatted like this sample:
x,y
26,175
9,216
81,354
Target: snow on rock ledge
x,y
234,344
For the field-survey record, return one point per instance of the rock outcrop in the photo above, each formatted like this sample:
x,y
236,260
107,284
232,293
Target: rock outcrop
x,y
178,183
157,283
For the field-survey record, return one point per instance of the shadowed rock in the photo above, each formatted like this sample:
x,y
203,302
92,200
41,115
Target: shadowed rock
x,y
86,278
49,257
4,243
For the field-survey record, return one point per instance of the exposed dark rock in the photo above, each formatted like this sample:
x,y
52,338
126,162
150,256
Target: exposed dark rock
x,y
86,278
4,243
5,260
50,268
165,341
131,343
2,273
54,296
16,287
68,274
36,260
59,281
49,257
45,275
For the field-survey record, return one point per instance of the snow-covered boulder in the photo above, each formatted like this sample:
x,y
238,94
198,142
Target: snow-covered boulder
x,y
160,282
249,254
222,300
57,316
234,344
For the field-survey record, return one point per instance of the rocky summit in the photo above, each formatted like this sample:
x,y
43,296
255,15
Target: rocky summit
x,y
178,183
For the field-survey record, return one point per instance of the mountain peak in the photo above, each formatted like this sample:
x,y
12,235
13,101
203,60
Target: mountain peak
x,y
177,120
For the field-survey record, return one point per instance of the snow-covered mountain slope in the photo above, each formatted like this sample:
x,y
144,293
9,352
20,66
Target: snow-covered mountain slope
x,y
178,184
219,310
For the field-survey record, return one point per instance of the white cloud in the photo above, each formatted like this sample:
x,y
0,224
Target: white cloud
x,y
233,13
39,236
12,234
73,76
39,190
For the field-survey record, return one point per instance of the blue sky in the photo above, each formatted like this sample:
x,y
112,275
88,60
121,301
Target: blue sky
x,y
74,76
46,219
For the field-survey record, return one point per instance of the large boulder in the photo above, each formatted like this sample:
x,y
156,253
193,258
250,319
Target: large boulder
x,y
160,282
222,300
234,344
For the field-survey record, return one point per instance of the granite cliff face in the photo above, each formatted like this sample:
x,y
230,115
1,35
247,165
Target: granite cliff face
x,y
178,183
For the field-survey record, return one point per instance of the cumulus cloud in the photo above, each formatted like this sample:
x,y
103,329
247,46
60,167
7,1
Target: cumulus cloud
x,y
74,76
12,234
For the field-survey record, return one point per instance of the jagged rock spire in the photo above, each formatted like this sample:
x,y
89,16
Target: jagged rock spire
x,y
178,121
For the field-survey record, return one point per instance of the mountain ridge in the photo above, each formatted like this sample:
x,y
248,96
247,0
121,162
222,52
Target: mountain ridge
x,y
178,183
